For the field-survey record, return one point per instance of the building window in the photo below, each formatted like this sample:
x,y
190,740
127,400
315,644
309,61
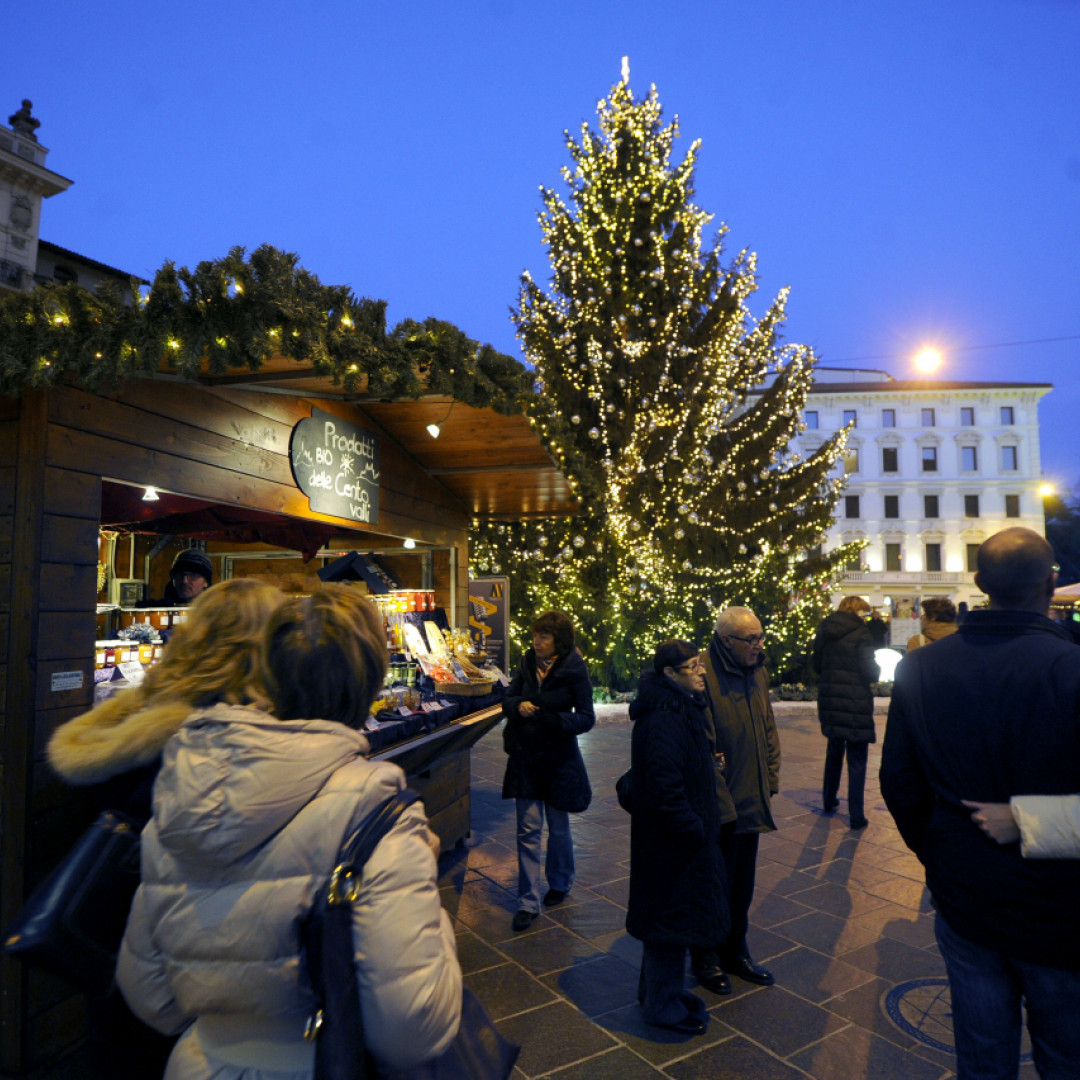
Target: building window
x,y
890,459
811,420
892,557
967,417
933,557
1008,459
969,458
928,418
929,459
1012,506
851,417
930,506
851,461
892,506
1007,415
888,418
971,506
65,275
851,506
972,558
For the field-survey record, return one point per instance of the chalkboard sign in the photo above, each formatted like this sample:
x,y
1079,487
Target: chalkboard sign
x,y
336,465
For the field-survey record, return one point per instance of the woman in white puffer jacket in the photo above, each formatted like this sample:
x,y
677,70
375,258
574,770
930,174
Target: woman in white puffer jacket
x,y
250,811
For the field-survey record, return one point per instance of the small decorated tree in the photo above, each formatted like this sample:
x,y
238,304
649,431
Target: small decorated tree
x,y
671,410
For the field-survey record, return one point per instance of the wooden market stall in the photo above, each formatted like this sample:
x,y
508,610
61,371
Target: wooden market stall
x,y
224,442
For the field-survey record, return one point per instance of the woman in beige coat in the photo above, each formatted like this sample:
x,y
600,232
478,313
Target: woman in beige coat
x,y
250,810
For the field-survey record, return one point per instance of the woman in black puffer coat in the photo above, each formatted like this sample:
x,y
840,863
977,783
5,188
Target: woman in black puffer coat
x,y
548,705
677,894
844,659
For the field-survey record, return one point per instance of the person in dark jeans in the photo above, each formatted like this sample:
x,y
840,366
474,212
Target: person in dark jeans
x,y
987,713
843,656
548,705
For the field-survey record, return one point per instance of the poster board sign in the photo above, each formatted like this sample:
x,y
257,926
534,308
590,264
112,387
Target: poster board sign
x,y
336,465
489,616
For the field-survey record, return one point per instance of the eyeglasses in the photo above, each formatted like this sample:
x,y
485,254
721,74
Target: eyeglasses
x,y
752,640
691,667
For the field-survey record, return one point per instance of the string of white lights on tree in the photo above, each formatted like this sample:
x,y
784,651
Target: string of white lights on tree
x,y
670,409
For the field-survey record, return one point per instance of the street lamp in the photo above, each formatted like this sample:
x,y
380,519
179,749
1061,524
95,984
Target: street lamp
x,y
928,360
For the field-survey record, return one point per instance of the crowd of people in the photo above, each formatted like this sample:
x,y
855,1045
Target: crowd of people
x,y
980,764
244,754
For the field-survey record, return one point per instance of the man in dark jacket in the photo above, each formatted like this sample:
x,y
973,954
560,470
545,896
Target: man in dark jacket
x,y
744,740
990,712
843,656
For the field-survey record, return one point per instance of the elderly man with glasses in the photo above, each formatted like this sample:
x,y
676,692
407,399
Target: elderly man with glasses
x,y
747,751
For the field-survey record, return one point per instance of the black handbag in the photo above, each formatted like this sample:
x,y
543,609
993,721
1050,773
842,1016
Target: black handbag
x,y
73,922
478,1052
624,791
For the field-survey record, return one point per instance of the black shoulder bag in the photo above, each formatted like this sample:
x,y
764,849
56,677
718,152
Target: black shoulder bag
x,y
73,922
478,1052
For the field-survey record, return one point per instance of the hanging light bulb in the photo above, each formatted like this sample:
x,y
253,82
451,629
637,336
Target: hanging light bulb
x,y
434,429
151,495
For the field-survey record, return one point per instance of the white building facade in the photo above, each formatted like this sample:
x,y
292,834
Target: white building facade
x,y
933,468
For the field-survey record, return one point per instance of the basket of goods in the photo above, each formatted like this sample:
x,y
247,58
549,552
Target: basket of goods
x,y
467,689
468,679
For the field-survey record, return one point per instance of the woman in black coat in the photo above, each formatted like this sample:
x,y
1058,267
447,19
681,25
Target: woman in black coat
x,y
844,659
677,894
548,704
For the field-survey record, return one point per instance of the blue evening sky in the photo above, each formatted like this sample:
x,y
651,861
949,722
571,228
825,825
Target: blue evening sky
x,y
911,168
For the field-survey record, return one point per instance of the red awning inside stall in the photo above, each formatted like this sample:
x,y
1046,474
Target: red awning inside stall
x,y
124,509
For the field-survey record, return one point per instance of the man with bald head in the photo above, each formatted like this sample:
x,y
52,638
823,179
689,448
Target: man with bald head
x,y
744,739
986,713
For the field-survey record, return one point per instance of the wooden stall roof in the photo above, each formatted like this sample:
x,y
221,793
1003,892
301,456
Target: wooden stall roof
x,y
495,464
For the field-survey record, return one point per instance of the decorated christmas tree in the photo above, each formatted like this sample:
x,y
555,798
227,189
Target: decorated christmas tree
x,y
671,411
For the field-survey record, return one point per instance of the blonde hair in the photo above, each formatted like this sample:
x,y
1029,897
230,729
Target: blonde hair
x,y
214,656
855,604
325,657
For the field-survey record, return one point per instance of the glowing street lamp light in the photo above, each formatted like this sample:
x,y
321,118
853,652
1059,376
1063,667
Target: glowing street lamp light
x,y
928,360
1046,490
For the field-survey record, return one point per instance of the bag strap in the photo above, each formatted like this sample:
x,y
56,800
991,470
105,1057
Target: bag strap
x,y
343,887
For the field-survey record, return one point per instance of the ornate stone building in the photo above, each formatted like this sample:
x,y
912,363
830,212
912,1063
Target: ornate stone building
x,y
933,468
25,259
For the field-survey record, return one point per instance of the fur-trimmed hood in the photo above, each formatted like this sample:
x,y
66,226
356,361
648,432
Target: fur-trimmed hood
x,y
123,733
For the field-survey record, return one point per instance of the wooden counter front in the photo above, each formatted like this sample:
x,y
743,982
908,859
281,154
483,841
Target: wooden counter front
x,y
438,767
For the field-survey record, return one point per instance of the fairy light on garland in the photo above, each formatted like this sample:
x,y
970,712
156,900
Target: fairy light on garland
x,y
234,314
669,408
